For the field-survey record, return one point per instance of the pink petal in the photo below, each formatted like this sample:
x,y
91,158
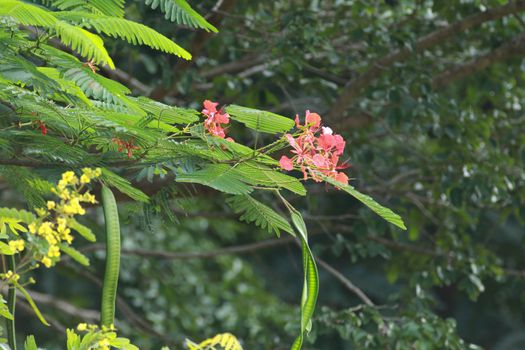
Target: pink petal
x,y
286,163
211,107
320,161
222,118
339,144
297,122
313,119
291,140
341,177
326,141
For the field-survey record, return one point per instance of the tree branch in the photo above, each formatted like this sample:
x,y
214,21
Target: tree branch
x,y
90,316
345,281
163,254
505,51
354,86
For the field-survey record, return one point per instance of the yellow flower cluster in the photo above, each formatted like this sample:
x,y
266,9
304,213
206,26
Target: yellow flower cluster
x,y
10,276
106,332
53,222
17,245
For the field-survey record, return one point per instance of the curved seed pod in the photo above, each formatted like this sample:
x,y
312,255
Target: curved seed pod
x,y
11,301
109,289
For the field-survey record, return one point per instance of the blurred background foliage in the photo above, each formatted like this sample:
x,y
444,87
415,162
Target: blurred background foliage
x,y
437,133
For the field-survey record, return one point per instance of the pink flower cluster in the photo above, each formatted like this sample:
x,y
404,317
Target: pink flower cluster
x,y
216,119
315,154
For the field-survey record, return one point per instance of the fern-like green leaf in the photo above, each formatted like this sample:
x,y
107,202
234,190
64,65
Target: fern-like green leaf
x,y
258,174
22,215
87,44
221,177
82,230
181,12
27,14
377,208
105,7
74,254
67,86
167,114
123,185
133,32
260,120
260,214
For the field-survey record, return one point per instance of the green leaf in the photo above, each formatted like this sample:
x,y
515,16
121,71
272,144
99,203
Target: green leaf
x,y
260,214
30,343
87,44
27,14
221,177
377,208
22,215
181,12
82,230
74,254
258,174
123,185
133,32
167,114
5,249
260,120
106,7
31,303
4,309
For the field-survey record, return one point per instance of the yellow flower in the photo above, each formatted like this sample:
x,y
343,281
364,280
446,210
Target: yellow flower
x,y
67,237
32,227
61,224
109,328
10,275
46,228
73,207
41,212
51,205
84,179
89,198
17,245
82,327
103,344
53,251
64,194
46,261
69,178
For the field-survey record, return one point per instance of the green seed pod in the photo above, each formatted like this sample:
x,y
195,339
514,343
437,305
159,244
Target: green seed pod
x,y
109,289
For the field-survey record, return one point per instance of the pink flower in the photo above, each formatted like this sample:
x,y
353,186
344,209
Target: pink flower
x,y
210,108
286,163
315,155
215,120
